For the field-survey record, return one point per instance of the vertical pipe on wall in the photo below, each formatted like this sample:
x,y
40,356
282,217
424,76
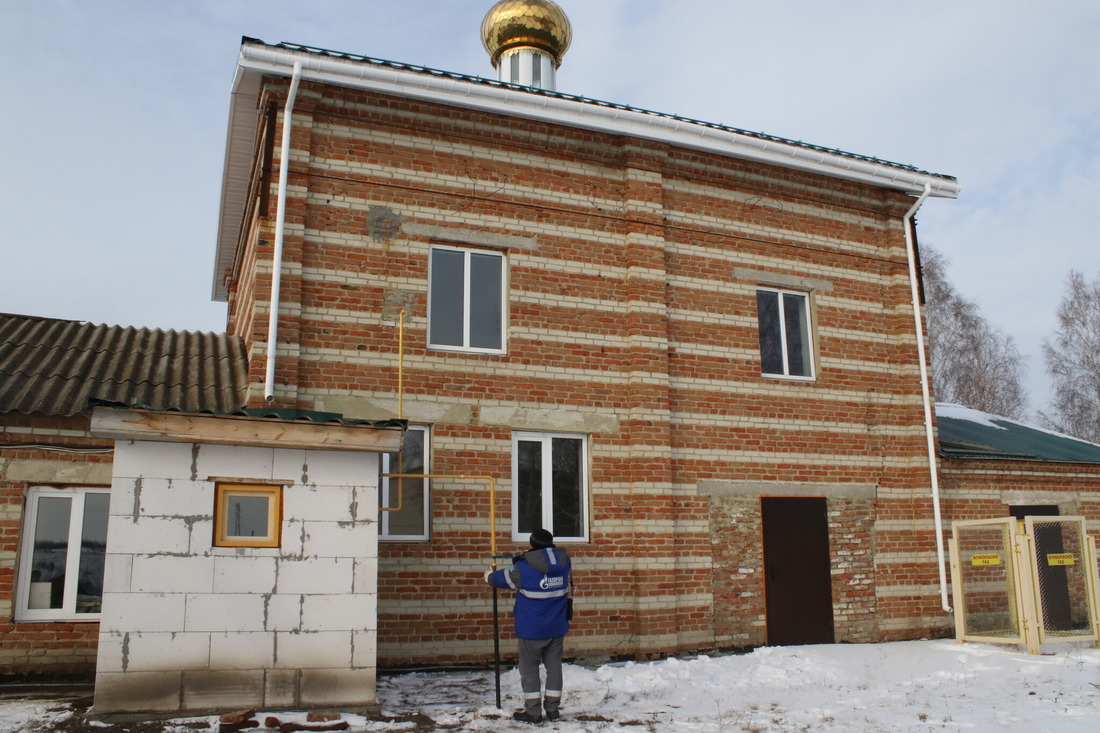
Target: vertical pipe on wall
x,y
926,391
280,233
401,367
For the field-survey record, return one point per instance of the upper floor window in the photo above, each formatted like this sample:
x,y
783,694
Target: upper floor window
x,y
405,499
550,485
63,554
786,346
466,299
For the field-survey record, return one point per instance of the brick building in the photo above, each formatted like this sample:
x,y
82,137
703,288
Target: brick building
x,y
991,466
193,554
689,350
55,475
665,339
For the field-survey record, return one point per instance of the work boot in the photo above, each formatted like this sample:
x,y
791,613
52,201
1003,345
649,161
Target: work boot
x,y
525,716
552,711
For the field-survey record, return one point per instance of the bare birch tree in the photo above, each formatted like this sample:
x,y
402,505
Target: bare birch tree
x,y
973,363
1072,357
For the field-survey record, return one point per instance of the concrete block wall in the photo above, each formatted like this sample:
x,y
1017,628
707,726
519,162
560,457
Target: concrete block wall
x,y
187,626
52,451
631,320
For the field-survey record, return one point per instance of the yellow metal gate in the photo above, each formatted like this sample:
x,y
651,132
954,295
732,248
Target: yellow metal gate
x,y
1025,582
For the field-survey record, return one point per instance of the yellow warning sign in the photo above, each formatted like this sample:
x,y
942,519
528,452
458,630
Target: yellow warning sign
x,y
1061,558
990,559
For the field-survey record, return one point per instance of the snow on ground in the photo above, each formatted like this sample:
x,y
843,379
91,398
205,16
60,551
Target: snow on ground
x,y
855,688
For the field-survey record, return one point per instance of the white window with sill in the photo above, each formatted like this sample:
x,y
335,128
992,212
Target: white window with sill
x,y
406,499
786,342
466,299
63,554
550,485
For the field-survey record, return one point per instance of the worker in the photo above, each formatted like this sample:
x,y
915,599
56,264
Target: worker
x,y
542,611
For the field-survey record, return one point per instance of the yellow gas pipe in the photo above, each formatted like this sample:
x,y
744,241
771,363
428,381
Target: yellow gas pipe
x,y
400,492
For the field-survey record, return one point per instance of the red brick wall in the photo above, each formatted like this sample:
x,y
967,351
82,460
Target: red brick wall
x,y
37,450
632,320
986,489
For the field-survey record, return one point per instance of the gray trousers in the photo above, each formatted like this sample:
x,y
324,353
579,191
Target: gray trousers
x,y
547,652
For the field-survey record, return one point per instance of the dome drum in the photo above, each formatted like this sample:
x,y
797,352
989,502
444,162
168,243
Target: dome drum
x,y
526,27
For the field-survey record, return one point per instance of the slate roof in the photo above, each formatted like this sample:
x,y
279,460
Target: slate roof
x,y
50,366
967,433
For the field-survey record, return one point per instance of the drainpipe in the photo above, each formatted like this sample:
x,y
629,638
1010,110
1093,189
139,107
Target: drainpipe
x,y
280,230
926,391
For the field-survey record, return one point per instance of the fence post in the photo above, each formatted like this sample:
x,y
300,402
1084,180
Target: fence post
x,y
1025,581
1094,586
958,600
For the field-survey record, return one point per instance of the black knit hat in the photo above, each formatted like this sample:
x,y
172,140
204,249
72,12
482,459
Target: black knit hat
x,y
541,538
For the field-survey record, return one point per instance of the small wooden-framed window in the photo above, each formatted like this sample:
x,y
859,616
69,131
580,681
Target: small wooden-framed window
x,y
247,515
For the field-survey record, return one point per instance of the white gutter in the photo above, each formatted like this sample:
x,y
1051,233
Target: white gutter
x,y
256,61
280,232
926,393
501,100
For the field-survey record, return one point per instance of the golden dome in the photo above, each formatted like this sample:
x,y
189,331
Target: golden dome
x,y
538,24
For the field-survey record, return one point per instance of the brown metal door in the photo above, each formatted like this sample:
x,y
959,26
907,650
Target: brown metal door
x,y
798,586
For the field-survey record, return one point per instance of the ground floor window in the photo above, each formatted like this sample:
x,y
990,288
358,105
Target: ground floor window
x,y
405,499
63,553
550,485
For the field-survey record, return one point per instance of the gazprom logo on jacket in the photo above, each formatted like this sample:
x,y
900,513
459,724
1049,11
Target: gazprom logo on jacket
x,y
552,582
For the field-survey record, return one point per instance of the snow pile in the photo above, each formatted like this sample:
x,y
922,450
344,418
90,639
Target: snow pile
x,y
856,688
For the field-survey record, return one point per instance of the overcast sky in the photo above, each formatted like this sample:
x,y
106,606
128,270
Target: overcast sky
x,y
113,116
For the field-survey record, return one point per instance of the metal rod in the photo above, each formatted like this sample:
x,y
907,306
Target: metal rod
x,y
492,546
496,639
401,366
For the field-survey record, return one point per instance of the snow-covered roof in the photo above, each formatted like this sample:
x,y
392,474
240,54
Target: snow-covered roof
x,y
969,433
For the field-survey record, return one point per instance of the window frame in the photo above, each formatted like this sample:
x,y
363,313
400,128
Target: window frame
x,y
78,496
807,334
546,439
223,490
384,534
468,253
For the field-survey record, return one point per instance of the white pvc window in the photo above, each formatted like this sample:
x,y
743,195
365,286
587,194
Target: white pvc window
x,y
786,344
466,290
550,485
407,499
64,548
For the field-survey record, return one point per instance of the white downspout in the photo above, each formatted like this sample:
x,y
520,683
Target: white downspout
x,y
280,230
926,391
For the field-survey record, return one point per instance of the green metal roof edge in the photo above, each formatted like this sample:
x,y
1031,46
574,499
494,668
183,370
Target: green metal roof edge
x,y
1012,440
288,414
317,416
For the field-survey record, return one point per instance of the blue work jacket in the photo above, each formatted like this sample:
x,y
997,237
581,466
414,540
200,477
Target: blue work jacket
x,y
541,581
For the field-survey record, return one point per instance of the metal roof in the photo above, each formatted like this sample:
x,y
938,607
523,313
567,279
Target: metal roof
x,y
50,366
259,59
480,80
966,433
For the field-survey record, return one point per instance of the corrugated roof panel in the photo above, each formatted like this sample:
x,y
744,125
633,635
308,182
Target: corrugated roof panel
x,y
966,433
58,367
